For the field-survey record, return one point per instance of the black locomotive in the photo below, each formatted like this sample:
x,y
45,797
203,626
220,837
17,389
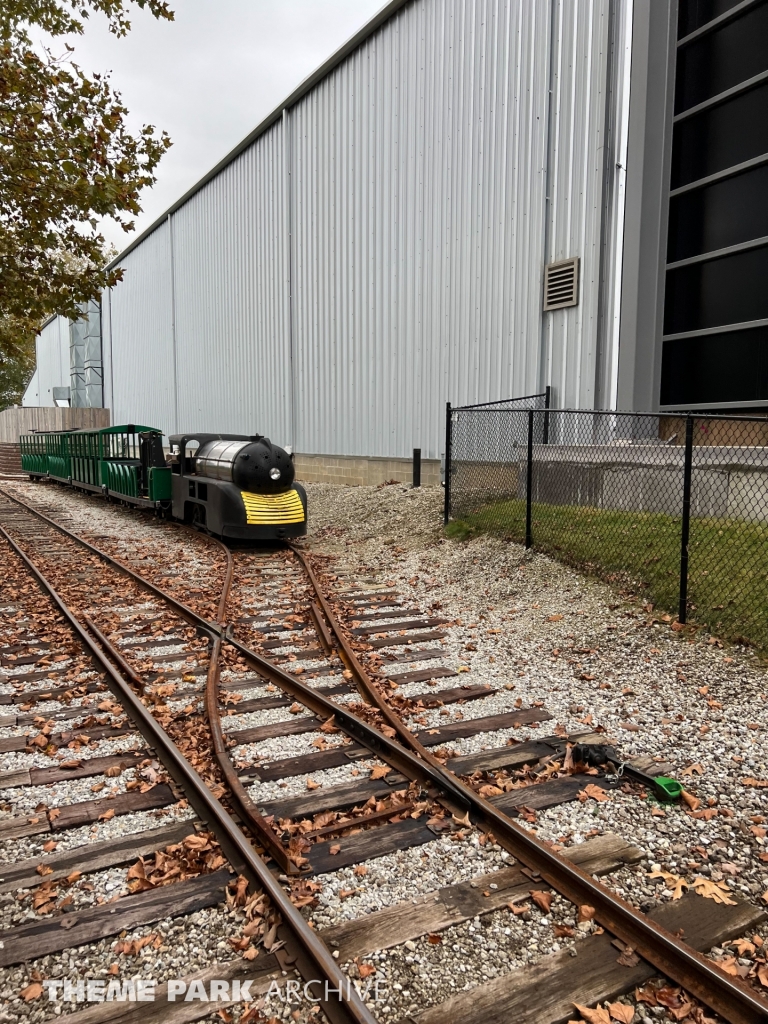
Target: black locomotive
x,y
236,486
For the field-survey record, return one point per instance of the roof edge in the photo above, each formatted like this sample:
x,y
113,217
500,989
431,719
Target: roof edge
x,y
316,76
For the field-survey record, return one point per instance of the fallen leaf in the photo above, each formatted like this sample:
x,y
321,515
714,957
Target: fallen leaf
x,y
311,784
596,1016
33,991
554,618
380,771
542,899
489,790
586,913
717,891
365,970
692,801
434,940
593,791
107,815
333,850
621,1012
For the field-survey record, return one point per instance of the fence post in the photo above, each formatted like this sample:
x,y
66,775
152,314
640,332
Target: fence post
x,y
447,495
417,467
529,483
547,401
685,527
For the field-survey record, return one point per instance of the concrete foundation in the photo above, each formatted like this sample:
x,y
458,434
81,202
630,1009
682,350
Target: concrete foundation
x,y
355,471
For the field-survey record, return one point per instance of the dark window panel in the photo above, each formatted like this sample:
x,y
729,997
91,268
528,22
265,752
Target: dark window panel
x,y
722,214
728,367
730,290
692,14
720,137
722,58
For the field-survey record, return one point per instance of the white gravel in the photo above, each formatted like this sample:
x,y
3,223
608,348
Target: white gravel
x,y
404,875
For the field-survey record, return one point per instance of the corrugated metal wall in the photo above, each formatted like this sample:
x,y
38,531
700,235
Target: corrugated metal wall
x,y
137,319
52,354
406,204
417,209
232,349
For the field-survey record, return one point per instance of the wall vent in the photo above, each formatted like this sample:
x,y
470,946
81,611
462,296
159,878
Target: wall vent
x,y
561,284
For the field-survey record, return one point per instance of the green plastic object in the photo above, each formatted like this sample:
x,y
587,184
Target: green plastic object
x,y
666,788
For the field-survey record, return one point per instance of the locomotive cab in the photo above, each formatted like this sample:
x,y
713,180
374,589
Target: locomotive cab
x,y
237,486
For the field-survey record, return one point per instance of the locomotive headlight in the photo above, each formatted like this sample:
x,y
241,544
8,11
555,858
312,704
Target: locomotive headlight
x,y
274,473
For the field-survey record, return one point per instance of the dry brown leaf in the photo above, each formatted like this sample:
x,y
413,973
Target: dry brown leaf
x,y
596,1016
333,850
621,1012
586,913
311,784
542,899
489,790
593,791
717,891
365,970
692,801
380,771
107,815
673,882
33,991
554,618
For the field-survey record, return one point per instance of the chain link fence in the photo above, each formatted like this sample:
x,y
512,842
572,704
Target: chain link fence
x,y
675,505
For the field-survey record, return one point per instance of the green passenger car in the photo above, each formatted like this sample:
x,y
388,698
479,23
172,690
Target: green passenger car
x,y
125,461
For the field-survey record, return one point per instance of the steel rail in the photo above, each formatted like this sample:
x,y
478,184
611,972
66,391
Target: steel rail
x,y
356,728
730,997
245,807
366,685
239,795
243,858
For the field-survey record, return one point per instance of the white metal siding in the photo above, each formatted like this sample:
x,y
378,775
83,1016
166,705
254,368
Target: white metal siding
x,y
418,202
233,363
140,348
407,204
31,396
52,356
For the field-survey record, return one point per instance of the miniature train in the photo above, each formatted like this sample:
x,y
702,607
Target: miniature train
x,y
227,484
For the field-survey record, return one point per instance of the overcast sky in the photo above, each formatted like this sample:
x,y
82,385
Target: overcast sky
x,y
211,75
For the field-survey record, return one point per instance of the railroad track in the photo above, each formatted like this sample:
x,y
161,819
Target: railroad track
x,y
359,785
